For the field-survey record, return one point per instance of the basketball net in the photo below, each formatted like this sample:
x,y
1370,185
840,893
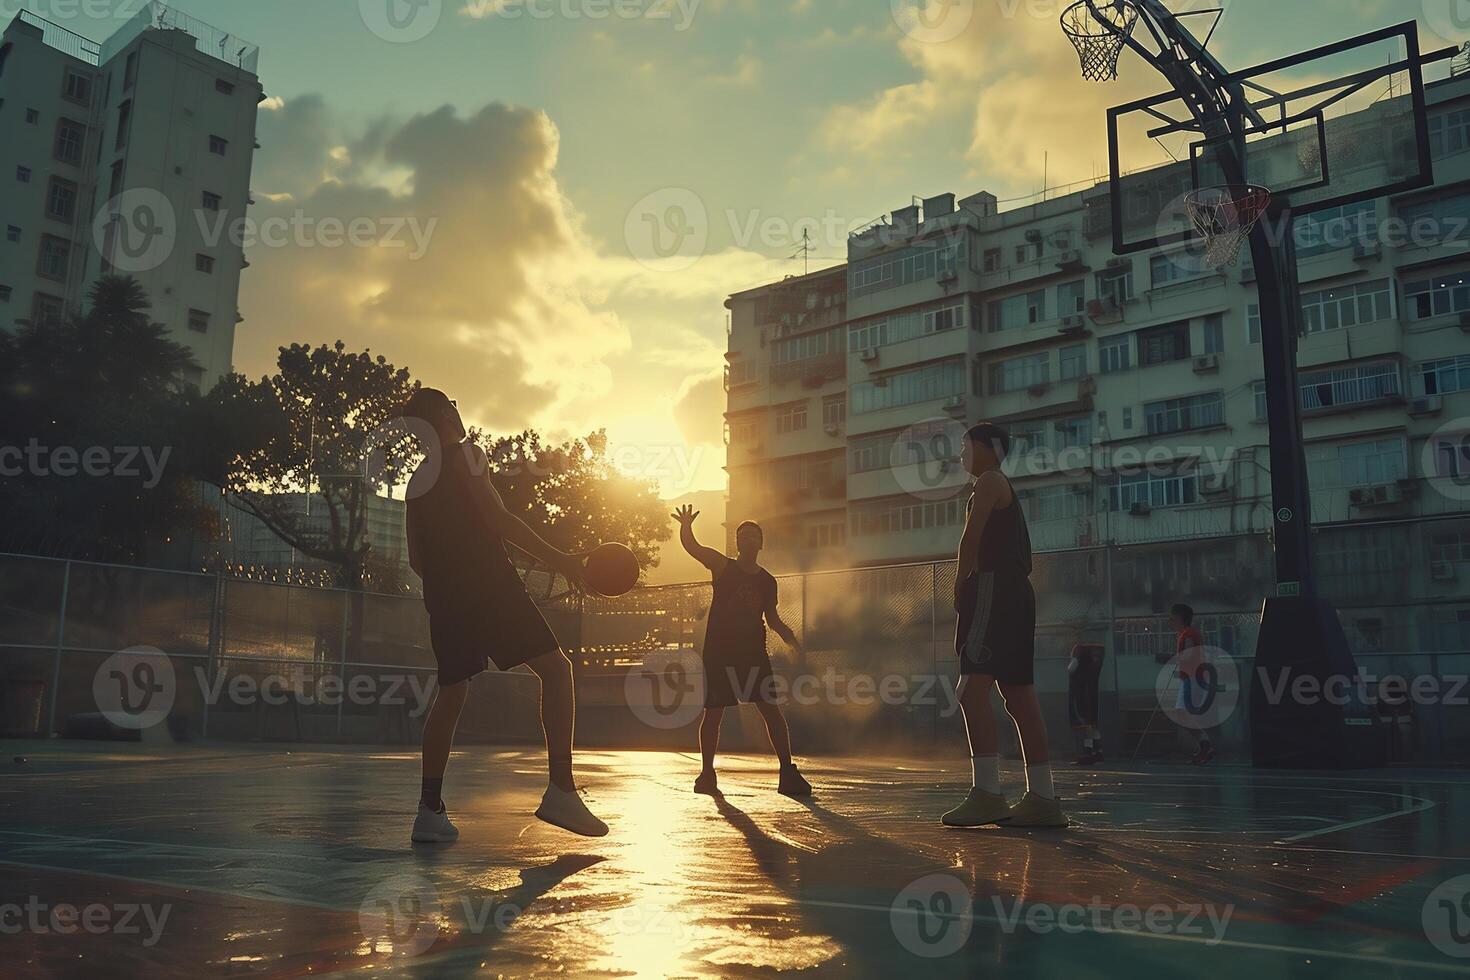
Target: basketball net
x,y
1224,218
1099,42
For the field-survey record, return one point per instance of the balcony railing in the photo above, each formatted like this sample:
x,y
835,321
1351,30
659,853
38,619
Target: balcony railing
x,y
208,40
63,40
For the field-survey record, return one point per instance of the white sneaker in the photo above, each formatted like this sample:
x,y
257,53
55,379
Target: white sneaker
x,y
433,828
567,811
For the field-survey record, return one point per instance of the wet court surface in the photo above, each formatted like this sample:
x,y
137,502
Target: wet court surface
x,y
216,861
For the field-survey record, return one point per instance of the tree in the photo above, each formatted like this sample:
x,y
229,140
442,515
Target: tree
x,y
99,410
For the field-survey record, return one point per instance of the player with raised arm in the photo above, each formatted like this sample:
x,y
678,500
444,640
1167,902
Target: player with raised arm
x,y
737,667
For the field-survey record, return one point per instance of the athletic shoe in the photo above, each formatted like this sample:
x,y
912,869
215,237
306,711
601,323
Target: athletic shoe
x,y
1204,756
1035,811
433,827
567,811
979,809
707,783
1089,758
793,783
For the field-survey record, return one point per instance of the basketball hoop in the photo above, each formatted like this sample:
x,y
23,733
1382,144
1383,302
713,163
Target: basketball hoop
x,y
1224,218
1099,35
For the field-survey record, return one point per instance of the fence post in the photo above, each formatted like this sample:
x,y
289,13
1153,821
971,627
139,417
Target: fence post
x,y
342,656
804,577
1110,648
934,642
56,660
216,640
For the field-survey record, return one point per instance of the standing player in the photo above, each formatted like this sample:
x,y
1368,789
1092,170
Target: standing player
x,y
1189,651
736,665
479,610
995,641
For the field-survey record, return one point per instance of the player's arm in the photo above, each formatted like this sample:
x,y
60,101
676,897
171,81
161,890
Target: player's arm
x,y
988,493
778,625
708,557
510,527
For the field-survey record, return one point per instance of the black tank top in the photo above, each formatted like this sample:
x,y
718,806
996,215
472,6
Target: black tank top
x,y
460,556
737,624
1005,546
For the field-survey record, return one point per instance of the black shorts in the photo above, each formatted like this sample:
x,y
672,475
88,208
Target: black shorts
x,y
996,632
729,681
1083,677
505,629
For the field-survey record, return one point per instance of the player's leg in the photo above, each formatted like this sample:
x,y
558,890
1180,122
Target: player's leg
x,y
709,744
561,805
1039,807
984,804
432,825
792,782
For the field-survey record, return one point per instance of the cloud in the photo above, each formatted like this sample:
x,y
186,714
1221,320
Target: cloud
x,y
700,410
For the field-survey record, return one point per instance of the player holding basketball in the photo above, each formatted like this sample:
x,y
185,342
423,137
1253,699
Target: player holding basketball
x,y
995,641
479,609
736,665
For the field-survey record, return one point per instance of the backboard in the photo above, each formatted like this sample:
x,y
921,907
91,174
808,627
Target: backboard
x,y
1329,127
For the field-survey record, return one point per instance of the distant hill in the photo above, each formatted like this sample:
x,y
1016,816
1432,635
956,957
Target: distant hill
x,y
675,566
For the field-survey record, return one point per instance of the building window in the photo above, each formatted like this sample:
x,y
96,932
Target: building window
x,y
1127,418
898,327
23,174
1184,414
1357,464
1342,227
61,200
1154,490
1020,372
1253,323
834,410
77,87
1161,345
1054,503
5,294
1215,334
204,263
1446,375
1258,392
1073,362
198,321
1018,311
124,119
1074,433
5,50
12,233
70,136
905,514
1440,296
791,418
1355,385
1116,285
1449,133
130,70
114,185
223,87
992,260
1177,267
54,255
1347,306
211,201
218,145
1115,354
1029,252
33,117
1071,298
901,268
46,310
929,383
1451,453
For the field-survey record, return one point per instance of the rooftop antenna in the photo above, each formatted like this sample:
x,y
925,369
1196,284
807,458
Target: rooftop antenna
x,y
804,250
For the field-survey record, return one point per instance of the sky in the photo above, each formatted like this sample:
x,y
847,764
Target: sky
x,y
556,196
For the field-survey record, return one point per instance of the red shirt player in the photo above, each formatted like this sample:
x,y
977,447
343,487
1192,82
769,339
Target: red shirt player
x,y
1189,657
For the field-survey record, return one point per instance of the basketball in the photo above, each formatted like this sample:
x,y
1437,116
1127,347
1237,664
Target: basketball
x,y
611,570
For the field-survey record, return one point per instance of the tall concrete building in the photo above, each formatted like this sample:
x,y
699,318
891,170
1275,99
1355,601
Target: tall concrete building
x,y
1132,387
130,156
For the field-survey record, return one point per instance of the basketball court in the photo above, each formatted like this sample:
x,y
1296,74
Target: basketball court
x,y
275,863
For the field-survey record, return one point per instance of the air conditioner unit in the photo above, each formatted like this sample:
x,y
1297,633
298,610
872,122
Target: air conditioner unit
x,y
1426,406
1248,274
1039,389
1140,509
1207,364
947,275
1442,571
1465,322
1070,259
1033,235
1117,263
1099,308
869,354
1073,323
831,428
1215,484
1379,495
1367,250
955,403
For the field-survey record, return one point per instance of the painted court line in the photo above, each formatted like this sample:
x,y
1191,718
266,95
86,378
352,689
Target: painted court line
x,y
1418,806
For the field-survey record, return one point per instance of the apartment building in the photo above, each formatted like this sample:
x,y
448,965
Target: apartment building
x,y
1133,390
130,156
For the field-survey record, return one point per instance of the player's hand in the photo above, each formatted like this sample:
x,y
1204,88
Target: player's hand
x,y
574,568
685,515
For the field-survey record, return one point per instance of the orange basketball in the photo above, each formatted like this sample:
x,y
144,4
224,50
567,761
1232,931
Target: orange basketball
x,y
612,570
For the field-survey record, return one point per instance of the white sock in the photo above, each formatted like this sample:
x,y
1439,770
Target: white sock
x,y
986,772
1038,781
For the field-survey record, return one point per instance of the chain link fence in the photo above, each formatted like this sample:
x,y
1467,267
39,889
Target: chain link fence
x,y
246,660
